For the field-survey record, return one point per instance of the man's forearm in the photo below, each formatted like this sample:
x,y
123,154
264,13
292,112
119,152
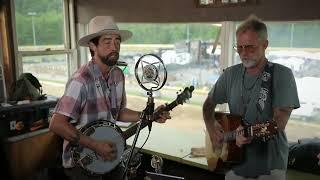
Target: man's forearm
x,y
208,114
281,116
128,115
59,125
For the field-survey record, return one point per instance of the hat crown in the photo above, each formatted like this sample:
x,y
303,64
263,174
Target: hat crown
x,y
100,23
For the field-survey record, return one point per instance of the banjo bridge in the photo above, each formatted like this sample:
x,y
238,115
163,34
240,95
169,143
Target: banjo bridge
x,y
85,161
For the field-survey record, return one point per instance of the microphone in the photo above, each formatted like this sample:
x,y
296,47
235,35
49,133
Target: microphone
x,y
150,72
122,63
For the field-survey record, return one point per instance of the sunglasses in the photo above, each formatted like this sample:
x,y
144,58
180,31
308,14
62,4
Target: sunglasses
x,y
249,48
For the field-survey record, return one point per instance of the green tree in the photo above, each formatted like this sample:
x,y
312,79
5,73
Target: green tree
x,y
156,33
48,22
49,30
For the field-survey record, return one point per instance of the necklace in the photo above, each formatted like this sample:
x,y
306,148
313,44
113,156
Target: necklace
x,y
250,86
245,90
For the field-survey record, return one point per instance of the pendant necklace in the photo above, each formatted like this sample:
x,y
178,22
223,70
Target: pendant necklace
x,y
246,89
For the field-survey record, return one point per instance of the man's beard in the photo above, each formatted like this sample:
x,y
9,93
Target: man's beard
x,y
249,63
111,59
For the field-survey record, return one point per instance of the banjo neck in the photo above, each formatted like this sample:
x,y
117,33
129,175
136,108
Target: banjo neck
x,y
181,98
132,130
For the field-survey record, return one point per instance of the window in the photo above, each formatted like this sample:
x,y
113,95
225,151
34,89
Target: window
x,y
43,42
39,24
51,70
186,50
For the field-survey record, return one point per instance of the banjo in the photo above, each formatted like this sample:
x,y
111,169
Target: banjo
x,y
105,130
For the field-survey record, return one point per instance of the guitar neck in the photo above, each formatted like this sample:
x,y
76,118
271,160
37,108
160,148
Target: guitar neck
x,y
132,130
231,135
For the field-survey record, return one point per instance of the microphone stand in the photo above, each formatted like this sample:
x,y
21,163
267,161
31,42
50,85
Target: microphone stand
x,y
149,110
146,115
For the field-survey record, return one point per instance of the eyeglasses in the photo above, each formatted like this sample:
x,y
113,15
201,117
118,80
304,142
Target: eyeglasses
x,y
249,48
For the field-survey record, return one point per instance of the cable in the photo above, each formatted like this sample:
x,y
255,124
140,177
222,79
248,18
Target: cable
x,y
144,142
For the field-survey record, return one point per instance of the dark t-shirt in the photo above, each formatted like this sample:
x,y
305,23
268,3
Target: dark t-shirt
x,y
241,92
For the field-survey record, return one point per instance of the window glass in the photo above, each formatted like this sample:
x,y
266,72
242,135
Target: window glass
x,y
40,31
51,70
39,24
186,50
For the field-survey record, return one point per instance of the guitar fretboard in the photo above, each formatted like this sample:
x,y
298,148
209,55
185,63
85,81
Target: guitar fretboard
x,y
231,136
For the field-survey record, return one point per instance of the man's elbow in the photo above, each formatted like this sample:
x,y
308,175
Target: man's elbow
x,y
207,105
53,125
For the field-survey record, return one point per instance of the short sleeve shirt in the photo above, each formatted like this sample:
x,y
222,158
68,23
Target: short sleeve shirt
x,y
90,96
241,92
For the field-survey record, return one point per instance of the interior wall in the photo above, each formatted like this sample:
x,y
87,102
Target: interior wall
x,y
7,48
187,10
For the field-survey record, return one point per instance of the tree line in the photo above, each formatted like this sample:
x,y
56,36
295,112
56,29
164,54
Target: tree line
x,y
42,22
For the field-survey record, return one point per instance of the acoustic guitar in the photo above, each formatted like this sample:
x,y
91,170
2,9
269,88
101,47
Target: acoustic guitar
x,y
230,154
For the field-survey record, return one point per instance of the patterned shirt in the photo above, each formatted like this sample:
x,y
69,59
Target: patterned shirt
x,y
90,96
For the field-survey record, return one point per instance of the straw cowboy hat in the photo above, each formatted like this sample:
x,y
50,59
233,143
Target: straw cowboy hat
x,y
101,25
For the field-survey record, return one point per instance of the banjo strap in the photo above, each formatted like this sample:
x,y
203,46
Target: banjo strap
x,y
107,88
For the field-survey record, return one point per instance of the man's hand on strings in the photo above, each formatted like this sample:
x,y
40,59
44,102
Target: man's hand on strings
x,y
106,150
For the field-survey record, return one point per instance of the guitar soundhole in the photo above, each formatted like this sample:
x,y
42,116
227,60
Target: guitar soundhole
x,y
90,131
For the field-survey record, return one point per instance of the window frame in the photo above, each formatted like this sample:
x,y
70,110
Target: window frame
x,y
69,35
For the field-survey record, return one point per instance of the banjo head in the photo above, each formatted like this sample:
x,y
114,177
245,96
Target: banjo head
x,y
91,161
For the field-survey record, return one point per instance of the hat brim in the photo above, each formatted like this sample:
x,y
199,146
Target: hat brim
x,y
124,34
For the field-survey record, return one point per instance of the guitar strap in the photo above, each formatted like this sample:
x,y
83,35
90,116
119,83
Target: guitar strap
x,y
113,97
265,92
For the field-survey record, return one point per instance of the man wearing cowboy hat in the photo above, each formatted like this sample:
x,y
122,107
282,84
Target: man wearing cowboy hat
x,y
95,91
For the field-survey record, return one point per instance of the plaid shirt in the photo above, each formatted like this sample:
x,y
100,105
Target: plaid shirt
x,y
90,96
